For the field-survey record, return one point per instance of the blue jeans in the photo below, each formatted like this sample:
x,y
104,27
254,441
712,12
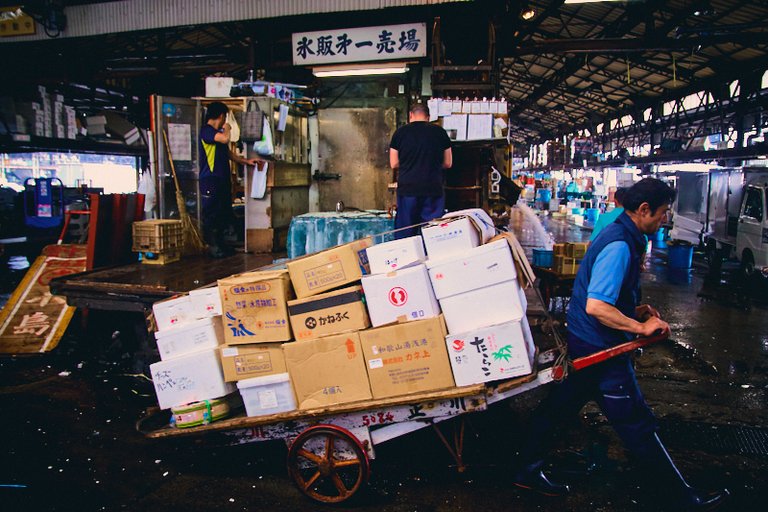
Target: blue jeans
x,y
416,210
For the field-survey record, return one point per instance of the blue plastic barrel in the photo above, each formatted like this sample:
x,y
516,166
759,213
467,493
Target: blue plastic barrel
x,y
545,195
591,214
543,258
680,256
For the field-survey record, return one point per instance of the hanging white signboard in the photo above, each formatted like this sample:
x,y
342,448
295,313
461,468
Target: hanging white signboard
x,y
389,42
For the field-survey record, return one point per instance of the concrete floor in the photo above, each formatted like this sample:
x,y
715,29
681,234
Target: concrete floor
x,y
70,444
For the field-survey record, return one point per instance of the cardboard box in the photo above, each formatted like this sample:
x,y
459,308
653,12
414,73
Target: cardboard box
x,y
173,312
491,305
327,371
482,266
255,307
488,354
576,250
329,269
247,361
558,249
189,378
191,337
448,237
396,254
400,296
205,302
407,358
329,313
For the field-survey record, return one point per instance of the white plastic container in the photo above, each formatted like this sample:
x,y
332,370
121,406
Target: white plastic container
x,y
189,378
396,254
482,266
449,237
206,302
173,313
191,337
271,394
479,308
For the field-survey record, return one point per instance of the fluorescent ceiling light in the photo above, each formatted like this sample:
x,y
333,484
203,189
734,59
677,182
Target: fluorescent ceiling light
x,y
383,68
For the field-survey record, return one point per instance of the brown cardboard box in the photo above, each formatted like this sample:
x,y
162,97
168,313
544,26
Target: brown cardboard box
x,y
558,249
246,361
254,307
407,358
576,250
327,371
329,269
328,313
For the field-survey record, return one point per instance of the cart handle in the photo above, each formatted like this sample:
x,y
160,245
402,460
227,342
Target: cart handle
x,y
598,357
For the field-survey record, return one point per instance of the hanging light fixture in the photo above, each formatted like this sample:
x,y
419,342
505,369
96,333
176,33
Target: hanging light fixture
x,y
373,68
527,14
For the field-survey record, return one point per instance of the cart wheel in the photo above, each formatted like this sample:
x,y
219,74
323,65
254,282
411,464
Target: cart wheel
x,y
328,464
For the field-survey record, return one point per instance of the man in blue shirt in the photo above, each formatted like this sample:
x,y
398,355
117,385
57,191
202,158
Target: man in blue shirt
x,y
215,182
605,311
608,217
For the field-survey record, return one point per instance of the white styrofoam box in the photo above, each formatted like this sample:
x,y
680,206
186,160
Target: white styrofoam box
x,y
403,293
450,236
218,86
270,394
206,302
482,266
396,254
491,305
173,312
189,378
489,353
191,337
446,237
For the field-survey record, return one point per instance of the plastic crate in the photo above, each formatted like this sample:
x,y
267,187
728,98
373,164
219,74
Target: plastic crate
x,y
157,236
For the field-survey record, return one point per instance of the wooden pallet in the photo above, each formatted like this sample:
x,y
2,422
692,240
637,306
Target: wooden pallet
x,y
163,258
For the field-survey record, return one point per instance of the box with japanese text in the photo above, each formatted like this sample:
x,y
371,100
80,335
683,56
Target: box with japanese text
x,y
447,237
327,371
476,268
196,335
206,302
488,354
407,358
255,307
172,312
399,296
396,254
189,378
329,269
491,305
247,361
328,313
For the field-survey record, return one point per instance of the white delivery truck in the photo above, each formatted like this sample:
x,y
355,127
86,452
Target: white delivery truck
x,y
725,210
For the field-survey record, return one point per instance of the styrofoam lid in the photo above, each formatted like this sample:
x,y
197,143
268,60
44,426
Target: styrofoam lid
x,y
205,291
263,381
498,245
187,326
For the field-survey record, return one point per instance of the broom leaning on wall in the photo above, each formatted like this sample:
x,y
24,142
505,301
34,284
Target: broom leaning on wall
x,y
193,242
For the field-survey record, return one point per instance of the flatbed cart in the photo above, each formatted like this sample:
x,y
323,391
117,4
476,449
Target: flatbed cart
x,y
330,449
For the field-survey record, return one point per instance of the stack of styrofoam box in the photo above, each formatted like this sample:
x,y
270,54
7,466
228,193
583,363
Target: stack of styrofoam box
x,y
59,119
45,102
398,288
188,338
70,122
484,309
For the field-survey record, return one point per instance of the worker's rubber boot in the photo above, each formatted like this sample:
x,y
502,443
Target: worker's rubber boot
x,y
532,478
659,464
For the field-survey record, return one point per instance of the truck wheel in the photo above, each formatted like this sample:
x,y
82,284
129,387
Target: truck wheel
x,y
747,266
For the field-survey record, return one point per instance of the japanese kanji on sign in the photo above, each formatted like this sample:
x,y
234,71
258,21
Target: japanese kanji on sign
x,y
389,42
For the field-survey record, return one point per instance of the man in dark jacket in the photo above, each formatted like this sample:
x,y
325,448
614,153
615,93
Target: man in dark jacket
x,y
605,311
419,152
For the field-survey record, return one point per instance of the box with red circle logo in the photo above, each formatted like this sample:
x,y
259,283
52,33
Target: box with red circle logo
x,y
399,296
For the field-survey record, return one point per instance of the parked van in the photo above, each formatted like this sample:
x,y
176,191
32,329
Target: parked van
x,y
726,211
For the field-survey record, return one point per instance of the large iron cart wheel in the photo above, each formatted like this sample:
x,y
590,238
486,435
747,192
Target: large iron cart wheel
x,y
328,464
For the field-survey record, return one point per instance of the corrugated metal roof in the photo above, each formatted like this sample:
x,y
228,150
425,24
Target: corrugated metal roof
x,y
133,15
